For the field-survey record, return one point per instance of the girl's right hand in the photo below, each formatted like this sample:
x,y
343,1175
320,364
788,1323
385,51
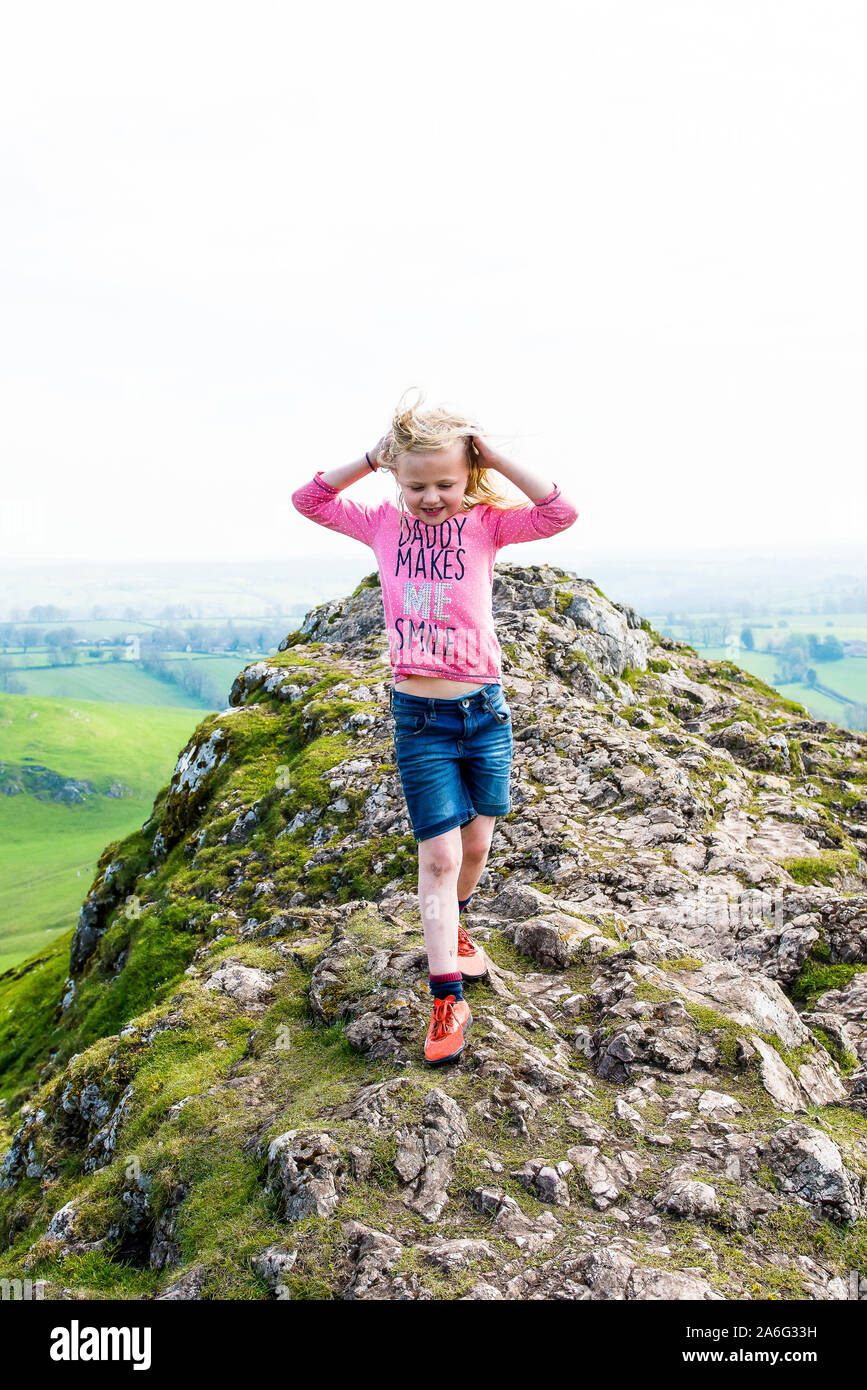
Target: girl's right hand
x,y
375,451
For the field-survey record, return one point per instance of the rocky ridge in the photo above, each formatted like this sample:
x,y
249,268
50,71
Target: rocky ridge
x,y
664,1092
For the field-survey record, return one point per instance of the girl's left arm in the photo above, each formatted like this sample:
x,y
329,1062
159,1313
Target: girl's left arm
x,y
550,513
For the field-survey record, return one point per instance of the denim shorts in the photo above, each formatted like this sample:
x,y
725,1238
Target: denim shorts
x,y
454,757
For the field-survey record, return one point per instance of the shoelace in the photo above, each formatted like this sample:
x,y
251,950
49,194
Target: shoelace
x,y
443,1016
466,945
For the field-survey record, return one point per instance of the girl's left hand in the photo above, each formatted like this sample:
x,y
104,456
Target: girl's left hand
x,y
486,455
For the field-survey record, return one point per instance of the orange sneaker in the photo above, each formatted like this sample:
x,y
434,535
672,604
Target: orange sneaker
x,y
473,963
445,1036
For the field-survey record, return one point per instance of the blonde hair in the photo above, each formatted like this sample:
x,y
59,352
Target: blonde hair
x,y
417,431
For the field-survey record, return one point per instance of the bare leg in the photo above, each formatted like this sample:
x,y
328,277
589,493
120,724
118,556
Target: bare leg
x,y
476,838
439,864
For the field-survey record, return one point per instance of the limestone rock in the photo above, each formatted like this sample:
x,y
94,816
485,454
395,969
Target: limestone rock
x,y
808,1162
240,982
273,1264
302,1170
611,1274
425,1156
606,1178
689,1198
186,1289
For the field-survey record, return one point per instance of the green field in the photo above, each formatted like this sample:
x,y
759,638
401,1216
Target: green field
x,y
113,682
48,850
222,669
31,658
848,676
770,627
125,682
92,628
848,627
819,705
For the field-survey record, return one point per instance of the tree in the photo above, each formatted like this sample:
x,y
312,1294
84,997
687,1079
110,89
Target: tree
x,y
60,637
168,639
47,613
792,659
29,637
827,648
832,648
8,680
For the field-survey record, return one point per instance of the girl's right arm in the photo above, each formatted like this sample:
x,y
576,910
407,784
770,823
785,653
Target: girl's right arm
x,y
320,500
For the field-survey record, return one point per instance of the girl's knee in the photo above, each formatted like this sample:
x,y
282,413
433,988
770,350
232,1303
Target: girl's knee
x,y
439,857
477,837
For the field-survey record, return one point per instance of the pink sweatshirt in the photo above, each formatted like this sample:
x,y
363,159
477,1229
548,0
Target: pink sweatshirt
x,y
437,578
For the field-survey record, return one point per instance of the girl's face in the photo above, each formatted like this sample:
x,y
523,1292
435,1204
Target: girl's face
x,y
433,484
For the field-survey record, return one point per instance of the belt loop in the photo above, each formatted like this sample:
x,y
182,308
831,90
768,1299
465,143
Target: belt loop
x,y
432,709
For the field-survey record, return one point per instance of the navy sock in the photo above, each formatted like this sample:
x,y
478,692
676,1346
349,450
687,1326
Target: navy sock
x,y
441,986
462,904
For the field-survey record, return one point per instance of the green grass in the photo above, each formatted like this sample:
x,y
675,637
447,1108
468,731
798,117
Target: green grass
x,y
816,977
100,742
821,868
28,1003
48,850
757,663
48,856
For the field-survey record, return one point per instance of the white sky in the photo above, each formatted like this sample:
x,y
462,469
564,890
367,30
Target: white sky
x,y
628,237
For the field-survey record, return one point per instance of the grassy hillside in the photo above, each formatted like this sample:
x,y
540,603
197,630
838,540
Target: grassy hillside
x,y
48,849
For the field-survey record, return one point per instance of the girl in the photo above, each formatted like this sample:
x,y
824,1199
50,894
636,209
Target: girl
x,y
452,726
